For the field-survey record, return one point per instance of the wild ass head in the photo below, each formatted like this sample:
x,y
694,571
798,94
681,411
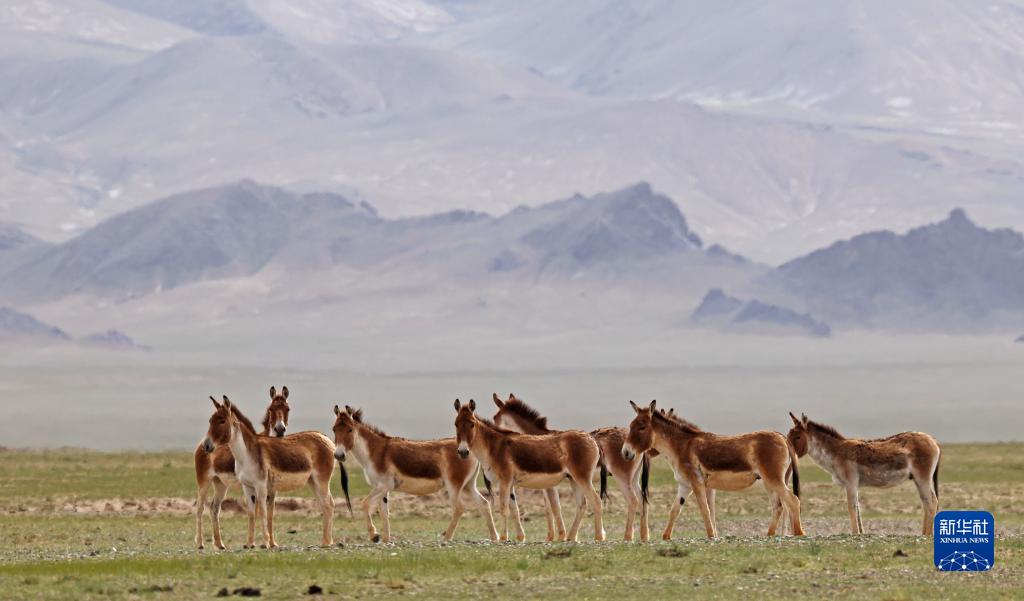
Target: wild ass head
x,y
517,416
465,426
799,434
345,429
640,438
222,422
275,422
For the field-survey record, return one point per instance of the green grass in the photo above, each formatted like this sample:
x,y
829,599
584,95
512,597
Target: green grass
x,y
112,552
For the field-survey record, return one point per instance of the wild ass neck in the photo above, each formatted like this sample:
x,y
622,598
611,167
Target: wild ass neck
x,y
245,449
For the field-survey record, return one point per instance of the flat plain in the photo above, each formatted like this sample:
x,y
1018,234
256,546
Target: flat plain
x,y
90,525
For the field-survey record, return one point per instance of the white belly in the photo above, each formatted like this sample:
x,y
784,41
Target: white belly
x,y
284,481
730,480
418,486
539,480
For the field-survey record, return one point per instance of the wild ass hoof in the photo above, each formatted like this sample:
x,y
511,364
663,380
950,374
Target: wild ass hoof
x,y
200,547
599,536
520,538
666,536
375,538
219,546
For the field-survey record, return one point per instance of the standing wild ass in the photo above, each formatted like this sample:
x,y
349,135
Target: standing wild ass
x,y
266,465
218,468
531,461
630,474
882,463
701,460
417,467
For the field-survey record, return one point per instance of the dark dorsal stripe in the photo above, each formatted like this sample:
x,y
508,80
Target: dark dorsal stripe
x,y
824,429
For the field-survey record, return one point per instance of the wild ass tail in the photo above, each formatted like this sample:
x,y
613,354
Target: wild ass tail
x,y
935,475
344,487
487,484
604,482
796,471
645,476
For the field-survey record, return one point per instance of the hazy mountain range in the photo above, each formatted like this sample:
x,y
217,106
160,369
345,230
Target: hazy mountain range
x,y
247,253
779,128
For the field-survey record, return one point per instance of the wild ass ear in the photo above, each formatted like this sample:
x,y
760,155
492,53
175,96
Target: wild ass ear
x,y
273,392
498,401
357,414
337,410
215,403
654,405
803,416
284,392
472,405
227,402
511,397
634,406
458,404
796,422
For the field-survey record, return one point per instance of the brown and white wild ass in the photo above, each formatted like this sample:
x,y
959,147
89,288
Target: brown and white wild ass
x,y
701,460
217,469
882,462
417,467
630,474
266,465
510,459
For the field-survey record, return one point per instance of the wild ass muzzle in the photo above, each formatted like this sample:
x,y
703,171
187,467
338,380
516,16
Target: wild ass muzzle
x,y
510,459
630,474
266,465
217,468
881,463
417,467
701,460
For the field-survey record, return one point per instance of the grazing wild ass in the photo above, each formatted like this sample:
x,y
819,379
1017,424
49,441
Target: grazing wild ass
x,y
266,465
417,467
510,459
882,463
630,474
701,460
218,468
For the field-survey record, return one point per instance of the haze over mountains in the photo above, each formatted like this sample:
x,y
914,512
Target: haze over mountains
x,y
779,129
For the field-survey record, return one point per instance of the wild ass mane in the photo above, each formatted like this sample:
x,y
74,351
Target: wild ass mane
x,y
526,412
243,419
825,429
675,420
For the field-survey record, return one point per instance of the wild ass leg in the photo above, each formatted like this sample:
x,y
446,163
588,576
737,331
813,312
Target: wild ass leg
x,y
929,502
271,502
369,506
776,504
632,498
645,530
455,498
555,522
204,486
710,495
249,498
853,506
385,519
682,490
504,490
478,499
261,512
701,497
219,490
322,492
777,486
516,516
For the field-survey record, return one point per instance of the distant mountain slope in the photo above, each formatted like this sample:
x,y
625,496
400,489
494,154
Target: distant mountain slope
x,y
734,315
941,62
948,271
15,325
244,228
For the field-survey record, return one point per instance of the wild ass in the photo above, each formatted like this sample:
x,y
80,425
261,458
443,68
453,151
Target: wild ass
x,y
882,463
631,475
417,467
218,468
701,460
531,461
266,465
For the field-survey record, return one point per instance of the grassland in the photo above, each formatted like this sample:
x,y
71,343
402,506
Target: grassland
x,y
79,524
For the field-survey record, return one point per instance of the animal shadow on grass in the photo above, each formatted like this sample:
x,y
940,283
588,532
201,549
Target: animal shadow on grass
x,y
559,553
673,551
244,591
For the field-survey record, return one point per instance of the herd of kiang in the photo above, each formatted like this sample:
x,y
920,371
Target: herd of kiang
x,y
516,450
